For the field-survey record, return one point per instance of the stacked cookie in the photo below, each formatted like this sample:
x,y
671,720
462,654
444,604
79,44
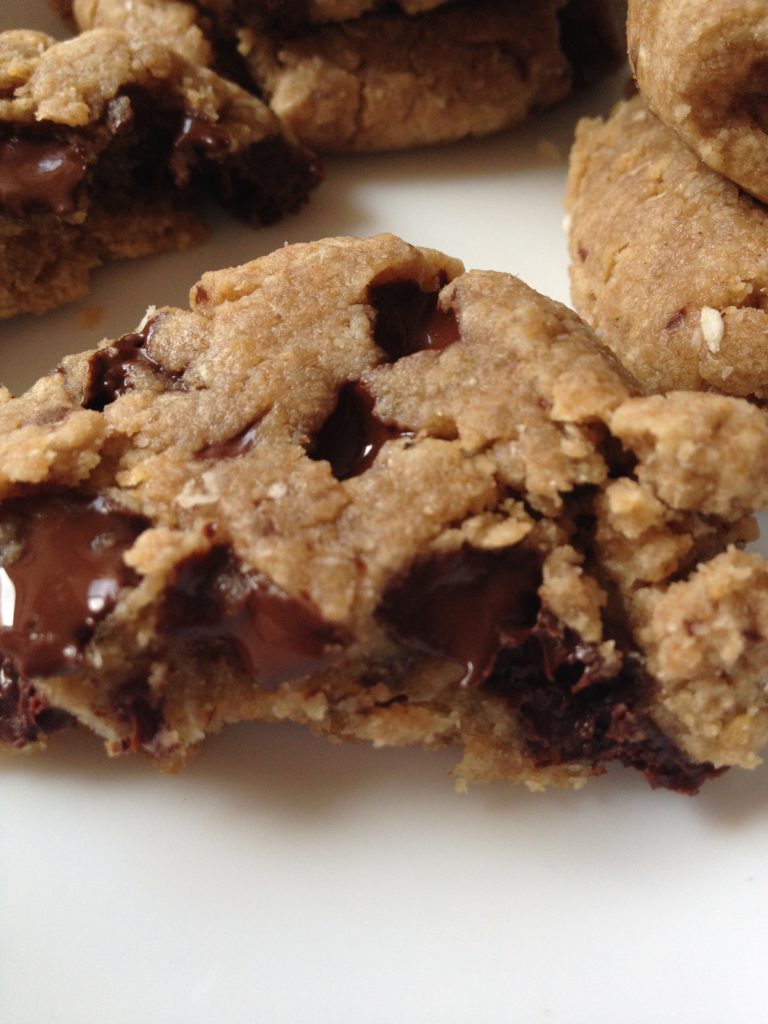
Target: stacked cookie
x,y
364,75
668,231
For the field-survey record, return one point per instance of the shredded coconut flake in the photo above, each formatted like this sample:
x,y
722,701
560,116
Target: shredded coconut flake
x,y
189,498
713,328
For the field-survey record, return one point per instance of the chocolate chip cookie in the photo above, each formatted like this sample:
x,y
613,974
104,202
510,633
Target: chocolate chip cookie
x,y
355,487
385,76
667,257
105,141
701,67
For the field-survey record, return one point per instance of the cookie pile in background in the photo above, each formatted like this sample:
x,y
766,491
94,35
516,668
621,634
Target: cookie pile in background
x,y
367,76
668,232
108,140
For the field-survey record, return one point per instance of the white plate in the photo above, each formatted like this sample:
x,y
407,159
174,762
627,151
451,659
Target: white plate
x,y
281,879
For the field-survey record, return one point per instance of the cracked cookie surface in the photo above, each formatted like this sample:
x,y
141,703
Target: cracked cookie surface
x,y
355,487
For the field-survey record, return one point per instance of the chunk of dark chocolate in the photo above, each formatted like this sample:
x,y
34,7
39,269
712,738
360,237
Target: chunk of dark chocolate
x,y
276,637
40,172
466,606
572,709
352,436
408,320
66,577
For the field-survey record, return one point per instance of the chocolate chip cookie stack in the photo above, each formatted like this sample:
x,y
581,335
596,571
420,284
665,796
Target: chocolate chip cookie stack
x,y
668,228
364,75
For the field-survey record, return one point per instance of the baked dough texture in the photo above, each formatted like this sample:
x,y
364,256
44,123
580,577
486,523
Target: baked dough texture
x,y
357,488
701,64
391,78
105,142
668,258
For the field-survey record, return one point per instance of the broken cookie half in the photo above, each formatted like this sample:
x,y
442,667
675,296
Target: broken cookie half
x,y
106,141
356,488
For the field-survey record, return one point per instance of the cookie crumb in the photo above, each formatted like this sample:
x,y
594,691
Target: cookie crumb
x,y
713,328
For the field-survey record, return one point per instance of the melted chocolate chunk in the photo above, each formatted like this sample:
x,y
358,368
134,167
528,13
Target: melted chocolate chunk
x,y
408,320
466,606
67,578
263,182
571,709
198,132
109,369
276,637
158,145
239,444
24,713
40,173
285,14
352,436
135,702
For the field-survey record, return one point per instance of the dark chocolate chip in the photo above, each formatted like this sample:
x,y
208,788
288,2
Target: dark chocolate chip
x,y
571,709
466,606
110,368
198,132
40,173
66,578
24,713
408,320
262,182
352,436
135,702
276,637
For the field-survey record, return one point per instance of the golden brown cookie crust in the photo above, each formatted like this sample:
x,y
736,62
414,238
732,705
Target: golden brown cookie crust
x,y
667,257
511,438
701,66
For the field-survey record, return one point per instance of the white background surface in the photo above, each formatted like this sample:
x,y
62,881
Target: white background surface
x,y
280,879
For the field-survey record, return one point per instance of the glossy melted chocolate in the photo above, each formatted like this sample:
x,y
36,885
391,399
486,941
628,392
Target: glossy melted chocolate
x,y
571,709
277,638
109,369
40,173
481,609
466,606
197,132
67,577
408,320
352,436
